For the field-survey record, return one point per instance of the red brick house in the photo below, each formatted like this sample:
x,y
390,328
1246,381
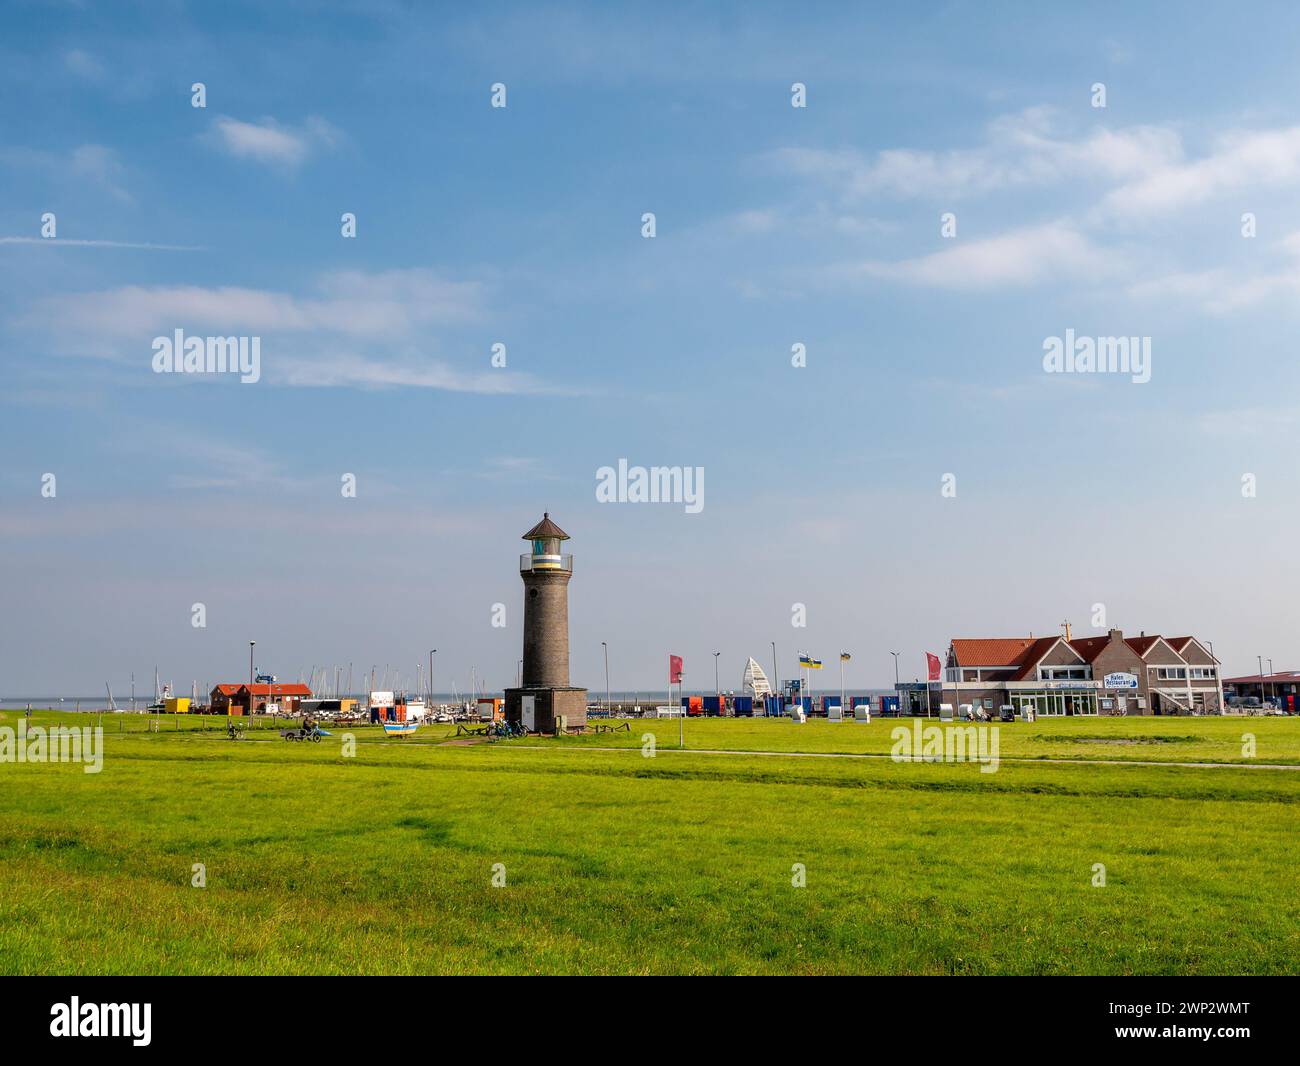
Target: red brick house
x,y
1060,676
233,699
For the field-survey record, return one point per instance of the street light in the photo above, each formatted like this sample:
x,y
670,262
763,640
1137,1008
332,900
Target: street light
x,y
1260,660
607,703
251,643
776,681
1271,684
717,689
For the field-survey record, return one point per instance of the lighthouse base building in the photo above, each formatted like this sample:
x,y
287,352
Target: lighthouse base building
x,y
545,695
538,708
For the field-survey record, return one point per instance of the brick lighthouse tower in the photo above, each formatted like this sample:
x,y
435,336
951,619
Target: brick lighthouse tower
x,y
544,691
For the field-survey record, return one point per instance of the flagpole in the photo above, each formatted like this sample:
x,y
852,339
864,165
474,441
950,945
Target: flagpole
x,y
927,686
841,684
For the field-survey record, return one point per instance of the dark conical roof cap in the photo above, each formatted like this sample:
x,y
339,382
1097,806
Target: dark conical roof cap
x,y
545,528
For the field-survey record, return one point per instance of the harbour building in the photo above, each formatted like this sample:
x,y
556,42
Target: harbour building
x,y
1062,676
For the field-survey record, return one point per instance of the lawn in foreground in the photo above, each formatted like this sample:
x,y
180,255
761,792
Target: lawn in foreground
x,y
615,863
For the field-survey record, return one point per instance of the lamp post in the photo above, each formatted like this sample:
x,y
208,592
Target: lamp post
x,y
432,652
1271,683
717,689
1260,660
251,644
841,684
776,681
607,701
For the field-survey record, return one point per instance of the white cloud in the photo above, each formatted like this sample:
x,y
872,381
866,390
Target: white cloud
x,y
1240,161
57,242
389,304
1028,256
347,370
268,141
1019,150
88,163
356,329
1221,291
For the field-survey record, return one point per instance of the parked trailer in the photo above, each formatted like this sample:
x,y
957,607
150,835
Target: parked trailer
x,y
743,706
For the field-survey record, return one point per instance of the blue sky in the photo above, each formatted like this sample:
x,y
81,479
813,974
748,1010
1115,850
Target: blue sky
x,y
775,225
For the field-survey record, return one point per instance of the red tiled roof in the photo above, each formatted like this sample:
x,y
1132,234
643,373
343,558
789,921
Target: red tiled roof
x,y
997,651
1141,645
1039,648
293,689
1253,679
1023,653
1089,647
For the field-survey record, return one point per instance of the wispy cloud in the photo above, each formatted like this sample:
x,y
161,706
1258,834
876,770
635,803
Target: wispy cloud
x,y
84,65
1261,159
95,164
356,329
1019,150
1030,256
388,304
1223,291
315,370
57,242
273,143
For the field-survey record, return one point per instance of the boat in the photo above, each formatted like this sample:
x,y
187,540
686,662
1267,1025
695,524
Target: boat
x,y
399,729
755,680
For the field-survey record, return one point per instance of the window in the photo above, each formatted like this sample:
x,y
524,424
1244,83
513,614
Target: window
x,y
1203,673
1065,673
1171,673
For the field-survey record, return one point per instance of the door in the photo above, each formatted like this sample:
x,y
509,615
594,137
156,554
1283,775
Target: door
x,y
528,712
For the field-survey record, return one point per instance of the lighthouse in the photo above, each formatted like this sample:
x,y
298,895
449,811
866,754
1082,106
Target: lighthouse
x,y
545,693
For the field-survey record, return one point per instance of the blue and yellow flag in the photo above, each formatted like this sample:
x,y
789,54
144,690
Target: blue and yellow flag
x,y
809,663
845,656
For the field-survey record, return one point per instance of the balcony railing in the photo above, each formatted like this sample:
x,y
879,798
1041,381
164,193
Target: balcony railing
x,y
545,562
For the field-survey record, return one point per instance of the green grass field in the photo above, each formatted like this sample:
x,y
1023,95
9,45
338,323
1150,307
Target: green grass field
x,y
618,863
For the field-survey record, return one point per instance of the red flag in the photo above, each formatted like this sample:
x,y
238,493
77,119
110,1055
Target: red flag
x,y
932,661
674,669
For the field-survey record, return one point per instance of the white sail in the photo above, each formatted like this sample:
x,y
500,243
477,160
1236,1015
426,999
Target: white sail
x,y
755,681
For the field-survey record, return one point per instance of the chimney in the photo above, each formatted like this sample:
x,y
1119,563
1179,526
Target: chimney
x,y
1115,635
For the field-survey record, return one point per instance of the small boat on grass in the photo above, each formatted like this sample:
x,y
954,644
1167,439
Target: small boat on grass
x,y
399,729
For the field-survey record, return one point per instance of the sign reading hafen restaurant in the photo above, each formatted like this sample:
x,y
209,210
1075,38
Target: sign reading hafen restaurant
x,y
1121,681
